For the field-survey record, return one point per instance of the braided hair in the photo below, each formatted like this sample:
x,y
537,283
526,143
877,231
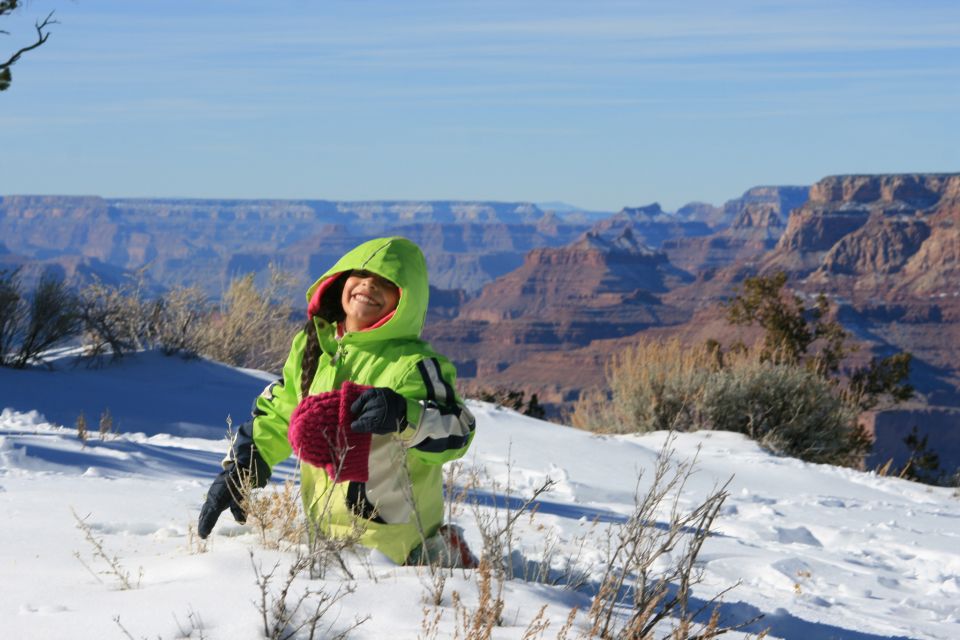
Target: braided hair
x,y
331,310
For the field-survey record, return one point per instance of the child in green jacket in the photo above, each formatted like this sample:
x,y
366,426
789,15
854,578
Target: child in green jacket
x,y
365,318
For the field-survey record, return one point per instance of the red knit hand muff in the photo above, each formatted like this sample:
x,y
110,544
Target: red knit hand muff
x,y
320,434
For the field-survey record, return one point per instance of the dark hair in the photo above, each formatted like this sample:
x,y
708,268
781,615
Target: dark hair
x,y
331,310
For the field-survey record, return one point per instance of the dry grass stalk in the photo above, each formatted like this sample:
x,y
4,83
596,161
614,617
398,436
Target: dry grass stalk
x,y
193,628
430,623
82,431
537,626
114,568
286,615
106,424
275,513
196,544
568,625
635,575
496,525
479,623
326,550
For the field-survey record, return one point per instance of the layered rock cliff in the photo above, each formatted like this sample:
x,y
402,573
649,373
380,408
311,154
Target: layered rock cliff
x,y
650,225
889,237
206,242
590,275
744,229
560,299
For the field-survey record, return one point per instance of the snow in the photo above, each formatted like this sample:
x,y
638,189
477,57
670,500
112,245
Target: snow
x,y
821,552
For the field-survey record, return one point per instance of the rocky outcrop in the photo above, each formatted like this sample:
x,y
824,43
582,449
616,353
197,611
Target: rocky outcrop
x,y
619,274
912,191
747,227
890,236
559,300
650,225
444,303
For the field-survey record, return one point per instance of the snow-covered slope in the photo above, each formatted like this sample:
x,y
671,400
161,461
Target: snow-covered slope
x,y
821,552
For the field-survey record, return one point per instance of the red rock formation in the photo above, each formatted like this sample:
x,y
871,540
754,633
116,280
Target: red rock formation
x,y
748,227
592,276
889,237
538,328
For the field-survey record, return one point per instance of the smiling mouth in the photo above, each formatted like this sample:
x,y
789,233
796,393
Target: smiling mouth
x,y
364,299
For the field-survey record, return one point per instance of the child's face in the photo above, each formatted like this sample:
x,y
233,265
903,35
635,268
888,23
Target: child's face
x,y
366,299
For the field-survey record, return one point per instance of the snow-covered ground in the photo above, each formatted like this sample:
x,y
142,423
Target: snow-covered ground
x,y
821,552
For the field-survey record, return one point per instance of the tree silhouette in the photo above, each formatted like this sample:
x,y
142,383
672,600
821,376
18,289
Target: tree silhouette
x,y
42,26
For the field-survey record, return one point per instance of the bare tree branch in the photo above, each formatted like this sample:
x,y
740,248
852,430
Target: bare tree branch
x,y
42,36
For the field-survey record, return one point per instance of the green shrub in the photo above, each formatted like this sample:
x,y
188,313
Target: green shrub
x,y
787,408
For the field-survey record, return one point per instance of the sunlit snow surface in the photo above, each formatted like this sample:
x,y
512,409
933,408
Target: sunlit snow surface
x,y
821,552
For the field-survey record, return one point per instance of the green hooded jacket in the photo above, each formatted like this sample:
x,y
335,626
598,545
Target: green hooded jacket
x,y
402,501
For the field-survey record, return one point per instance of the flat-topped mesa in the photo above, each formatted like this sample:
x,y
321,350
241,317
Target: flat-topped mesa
x,y
919,190
53,207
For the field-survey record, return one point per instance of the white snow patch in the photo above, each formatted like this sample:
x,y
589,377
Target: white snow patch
x,y
821,552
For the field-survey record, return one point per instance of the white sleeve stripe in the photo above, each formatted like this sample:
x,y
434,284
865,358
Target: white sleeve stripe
x,y
431,374
438,426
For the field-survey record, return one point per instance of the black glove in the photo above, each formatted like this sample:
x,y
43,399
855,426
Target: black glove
x,y
379,410
248,469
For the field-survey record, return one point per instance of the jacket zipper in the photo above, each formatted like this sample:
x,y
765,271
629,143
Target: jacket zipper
x,y
340,353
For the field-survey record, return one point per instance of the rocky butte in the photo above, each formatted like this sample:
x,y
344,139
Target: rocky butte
x,y
560,299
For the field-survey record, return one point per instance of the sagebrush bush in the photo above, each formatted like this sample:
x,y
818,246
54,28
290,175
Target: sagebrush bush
x,y
253,326
117,319
652,386
786,407
179,326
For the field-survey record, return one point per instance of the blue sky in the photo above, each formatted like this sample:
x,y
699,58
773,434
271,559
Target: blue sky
x,y
599,103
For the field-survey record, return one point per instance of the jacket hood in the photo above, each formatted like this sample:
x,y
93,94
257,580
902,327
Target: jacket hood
x,y
398,260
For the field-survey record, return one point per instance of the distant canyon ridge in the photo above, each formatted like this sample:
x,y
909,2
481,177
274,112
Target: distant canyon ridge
x,y
539,298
